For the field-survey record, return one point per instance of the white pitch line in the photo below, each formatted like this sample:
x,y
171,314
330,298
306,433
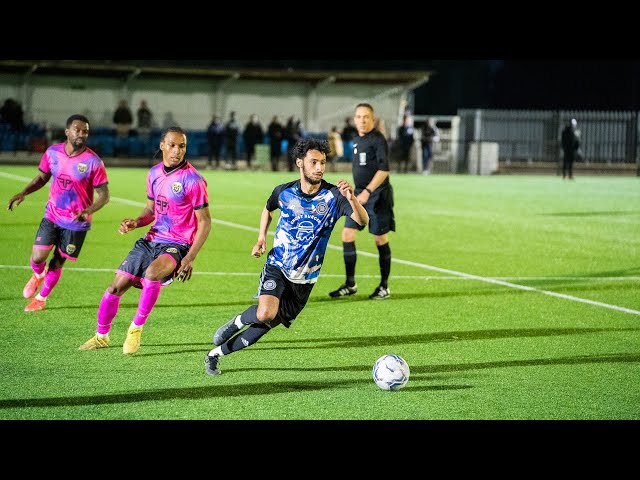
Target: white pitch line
x,y
341,275
455,273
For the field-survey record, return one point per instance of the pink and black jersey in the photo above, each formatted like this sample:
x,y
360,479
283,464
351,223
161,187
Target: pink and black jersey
x,y
73,182
177,195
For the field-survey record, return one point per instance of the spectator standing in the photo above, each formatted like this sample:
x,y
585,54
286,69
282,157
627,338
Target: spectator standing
x,y
404,143
123,119
349,132
336,148
169,120
215,139
292,133
252,135
275,131
11,113
231,132
429,135
381,126
77,173
370,168
570,147
145,120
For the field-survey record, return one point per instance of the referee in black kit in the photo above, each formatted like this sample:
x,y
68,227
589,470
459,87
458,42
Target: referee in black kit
x,y
370,168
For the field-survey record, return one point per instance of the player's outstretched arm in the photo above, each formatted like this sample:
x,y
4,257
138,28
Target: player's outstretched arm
x,y
184,271
261,245
103,198
36,184
145,218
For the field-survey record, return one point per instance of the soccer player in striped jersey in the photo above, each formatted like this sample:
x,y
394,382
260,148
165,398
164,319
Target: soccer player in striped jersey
x,y
178,204
309,209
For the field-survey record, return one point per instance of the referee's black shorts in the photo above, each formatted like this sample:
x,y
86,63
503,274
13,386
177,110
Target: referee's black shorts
x,y
380,210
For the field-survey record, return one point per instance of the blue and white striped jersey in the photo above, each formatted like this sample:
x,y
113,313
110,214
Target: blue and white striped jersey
x,y
304,228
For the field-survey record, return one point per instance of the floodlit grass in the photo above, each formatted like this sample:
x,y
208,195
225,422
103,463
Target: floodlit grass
x,y
513,297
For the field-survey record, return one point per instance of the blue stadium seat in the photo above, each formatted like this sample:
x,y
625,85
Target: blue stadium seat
x,y
107,145
136,147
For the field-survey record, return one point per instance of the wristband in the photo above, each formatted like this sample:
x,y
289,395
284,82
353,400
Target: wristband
x,y
367,189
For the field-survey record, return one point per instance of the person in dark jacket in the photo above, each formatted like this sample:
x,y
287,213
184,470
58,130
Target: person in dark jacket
x,y
275,131
570,148
404,143
215,139
231,132
292,133
11,113
253,135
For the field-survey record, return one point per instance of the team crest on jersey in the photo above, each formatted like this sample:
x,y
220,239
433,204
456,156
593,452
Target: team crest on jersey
x,y
70,249
82,167
176,187
269,285
322,208
172,250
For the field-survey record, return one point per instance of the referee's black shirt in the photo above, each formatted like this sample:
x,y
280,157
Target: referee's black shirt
x,y
370,154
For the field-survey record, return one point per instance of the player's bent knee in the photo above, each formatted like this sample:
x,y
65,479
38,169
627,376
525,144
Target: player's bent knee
x,y
265,315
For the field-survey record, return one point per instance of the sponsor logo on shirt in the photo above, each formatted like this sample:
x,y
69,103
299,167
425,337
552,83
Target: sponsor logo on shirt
x,y
162,205
65,181
305,231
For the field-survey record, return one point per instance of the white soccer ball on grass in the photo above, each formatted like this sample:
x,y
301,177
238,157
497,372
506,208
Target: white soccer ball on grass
x,y
391,372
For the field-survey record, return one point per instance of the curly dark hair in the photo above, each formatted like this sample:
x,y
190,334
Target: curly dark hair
x,y
305,144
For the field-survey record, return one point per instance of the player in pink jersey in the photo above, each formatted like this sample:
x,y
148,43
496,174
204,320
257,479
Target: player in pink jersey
x,y
78,173
177,200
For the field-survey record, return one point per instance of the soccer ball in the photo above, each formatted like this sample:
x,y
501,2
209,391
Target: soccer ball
x,y
391,372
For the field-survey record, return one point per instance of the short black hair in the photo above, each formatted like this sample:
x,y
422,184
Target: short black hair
x,y
77,116
174,129
365,105
305,144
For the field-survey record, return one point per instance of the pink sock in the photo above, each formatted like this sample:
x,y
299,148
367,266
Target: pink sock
x,y
50,281
107,311
38,268
148,298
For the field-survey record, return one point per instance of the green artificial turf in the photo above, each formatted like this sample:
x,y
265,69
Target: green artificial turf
x,y
513,298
